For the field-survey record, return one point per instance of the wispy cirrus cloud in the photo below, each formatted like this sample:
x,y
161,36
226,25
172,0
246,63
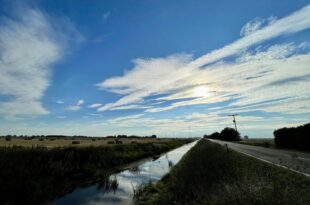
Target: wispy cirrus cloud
x,y
193,124
30,44
255,25
95,105
77,106
290,24
125,118
252,78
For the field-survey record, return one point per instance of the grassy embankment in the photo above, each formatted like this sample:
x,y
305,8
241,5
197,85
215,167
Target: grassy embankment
x,y
36,175
208,174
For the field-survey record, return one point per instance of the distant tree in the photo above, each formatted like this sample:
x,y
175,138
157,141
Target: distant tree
x,y
246,137
153,136
110,137
132,136
121,136
214,135
229,134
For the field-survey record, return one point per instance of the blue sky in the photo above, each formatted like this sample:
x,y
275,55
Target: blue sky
x,y
153,67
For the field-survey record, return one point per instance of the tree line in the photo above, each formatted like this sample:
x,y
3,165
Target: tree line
x,y
293,137
286,137
29,137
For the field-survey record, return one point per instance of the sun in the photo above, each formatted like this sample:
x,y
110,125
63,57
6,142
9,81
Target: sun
x,y
201,91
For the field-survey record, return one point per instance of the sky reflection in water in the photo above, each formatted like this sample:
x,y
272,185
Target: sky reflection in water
x,y
119,189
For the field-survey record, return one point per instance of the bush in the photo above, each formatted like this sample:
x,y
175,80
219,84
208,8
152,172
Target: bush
x,y
293,137
75,142
229,134
118,142
8,138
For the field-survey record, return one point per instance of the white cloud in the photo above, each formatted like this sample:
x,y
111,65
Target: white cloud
x,y
80,102
269,74
256,24
126,118
73,107
95,105
297,21
76,107
29,45
95,115
60,102
131,107
251,26
148,77
193,124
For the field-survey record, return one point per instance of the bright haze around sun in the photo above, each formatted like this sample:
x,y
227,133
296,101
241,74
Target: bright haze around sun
x,y
101,68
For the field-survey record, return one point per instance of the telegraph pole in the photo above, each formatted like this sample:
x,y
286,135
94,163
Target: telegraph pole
x,y
234,120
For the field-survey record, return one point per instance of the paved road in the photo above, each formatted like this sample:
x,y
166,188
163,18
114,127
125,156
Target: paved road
x,y
296,161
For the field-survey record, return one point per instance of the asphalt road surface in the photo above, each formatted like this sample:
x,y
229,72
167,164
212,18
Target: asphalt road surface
x,y
296,161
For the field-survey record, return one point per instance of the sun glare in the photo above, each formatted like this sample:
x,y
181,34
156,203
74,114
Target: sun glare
x,y
201,91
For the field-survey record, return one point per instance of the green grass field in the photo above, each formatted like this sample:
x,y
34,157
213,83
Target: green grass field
x,y
209,175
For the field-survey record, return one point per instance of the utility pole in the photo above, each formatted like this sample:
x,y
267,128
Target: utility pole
x,y
234,120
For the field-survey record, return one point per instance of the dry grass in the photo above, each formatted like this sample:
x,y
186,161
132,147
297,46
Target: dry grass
x,y
264,142
48,143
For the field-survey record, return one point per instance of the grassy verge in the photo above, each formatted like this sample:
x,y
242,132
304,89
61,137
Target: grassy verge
x,y
208,174
36,175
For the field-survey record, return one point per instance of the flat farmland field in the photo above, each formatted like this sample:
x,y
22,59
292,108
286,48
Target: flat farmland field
x,y
263,142
63,142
